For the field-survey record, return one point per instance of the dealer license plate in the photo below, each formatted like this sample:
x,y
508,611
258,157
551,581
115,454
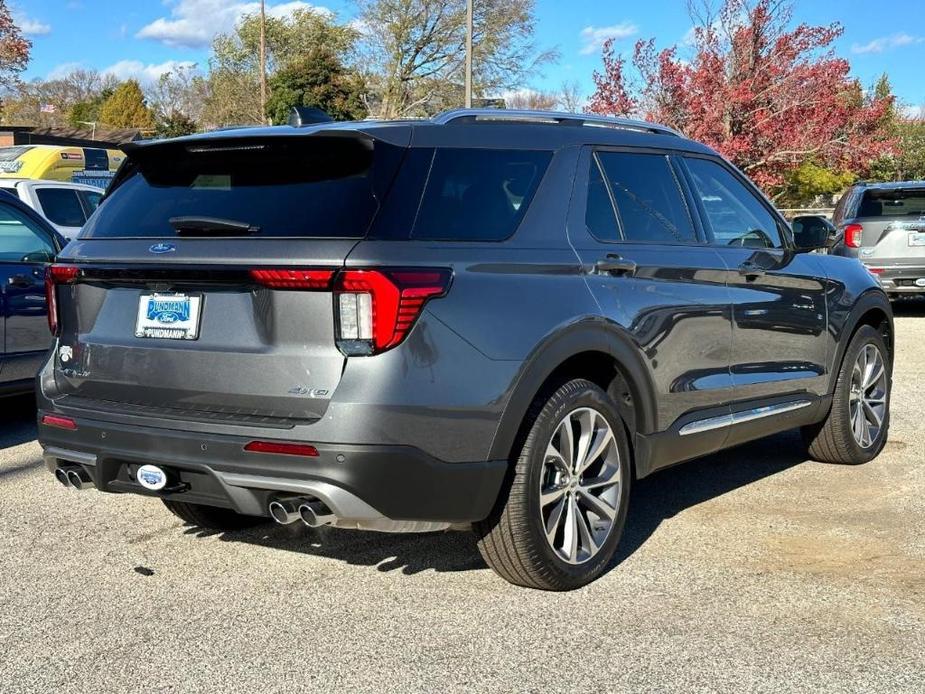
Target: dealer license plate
x,y
168,316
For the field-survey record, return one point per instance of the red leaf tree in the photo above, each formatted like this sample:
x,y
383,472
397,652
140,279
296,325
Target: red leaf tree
x,y
766,96
14,48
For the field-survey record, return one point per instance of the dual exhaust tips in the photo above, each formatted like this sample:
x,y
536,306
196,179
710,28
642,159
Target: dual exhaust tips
x,y
289,509
74,476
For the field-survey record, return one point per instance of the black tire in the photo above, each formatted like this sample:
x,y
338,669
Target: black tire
x,y
832,441
512,540
211,517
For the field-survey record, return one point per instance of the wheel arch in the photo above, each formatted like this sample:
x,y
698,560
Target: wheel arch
x,y
592,349
873,309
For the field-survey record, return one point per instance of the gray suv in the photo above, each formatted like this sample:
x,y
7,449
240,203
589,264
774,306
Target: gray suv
x,y
883,225
488,320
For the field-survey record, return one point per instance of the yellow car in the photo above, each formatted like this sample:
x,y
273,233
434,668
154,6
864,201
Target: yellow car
x,y
89,165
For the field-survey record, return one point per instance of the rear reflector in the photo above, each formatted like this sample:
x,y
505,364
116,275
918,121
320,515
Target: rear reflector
x,y
377,308
53,420
55,275
293,279
280,448
853,233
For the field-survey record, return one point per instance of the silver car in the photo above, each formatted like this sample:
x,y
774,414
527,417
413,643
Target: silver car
x,y
883,225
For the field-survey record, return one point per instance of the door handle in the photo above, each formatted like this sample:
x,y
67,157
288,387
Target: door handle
x,y
614,264
749,269
20,281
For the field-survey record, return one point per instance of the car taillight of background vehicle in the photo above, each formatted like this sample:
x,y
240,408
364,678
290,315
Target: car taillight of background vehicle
x,y
374,310
56,275
853,234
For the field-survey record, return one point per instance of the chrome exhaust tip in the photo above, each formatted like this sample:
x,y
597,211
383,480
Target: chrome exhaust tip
x,y
79,478
285,509
61,476
315,514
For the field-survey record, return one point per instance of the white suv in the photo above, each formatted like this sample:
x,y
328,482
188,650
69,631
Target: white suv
x,y
65,205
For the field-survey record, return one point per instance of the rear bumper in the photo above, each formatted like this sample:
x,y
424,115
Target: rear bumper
x,y
360,483
901,279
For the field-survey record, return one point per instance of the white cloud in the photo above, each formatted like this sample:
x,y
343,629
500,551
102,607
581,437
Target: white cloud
x,y
593,38
885,43
145,73
194,23
64,69
29,26
914,112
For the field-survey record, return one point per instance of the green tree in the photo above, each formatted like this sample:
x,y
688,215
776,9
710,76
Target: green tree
x,y
415,51
320,80
234,67
809,181
126,108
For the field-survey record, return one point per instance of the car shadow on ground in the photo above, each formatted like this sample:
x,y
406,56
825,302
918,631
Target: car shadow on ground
x,y
912,307
654,499
18,420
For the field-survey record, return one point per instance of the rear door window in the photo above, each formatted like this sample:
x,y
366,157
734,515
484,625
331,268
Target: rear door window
x,y
61,206
306,186
649,201
91,200
477,194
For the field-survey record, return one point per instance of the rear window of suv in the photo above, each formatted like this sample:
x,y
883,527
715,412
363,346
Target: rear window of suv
x,y
321,187
893,203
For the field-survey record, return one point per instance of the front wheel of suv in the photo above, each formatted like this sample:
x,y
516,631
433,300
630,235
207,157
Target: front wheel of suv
x,y
211,517
856,427
558,526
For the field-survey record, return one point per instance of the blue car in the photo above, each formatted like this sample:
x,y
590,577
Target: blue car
x,y
27,245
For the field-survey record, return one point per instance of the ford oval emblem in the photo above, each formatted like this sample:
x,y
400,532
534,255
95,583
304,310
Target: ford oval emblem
x,y
162,248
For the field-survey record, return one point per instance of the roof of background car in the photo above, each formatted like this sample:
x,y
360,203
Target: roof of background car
x,y
494,133
892,185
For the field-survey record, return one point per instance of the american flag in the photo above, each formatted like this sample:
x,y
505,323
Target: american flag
x,y
47,108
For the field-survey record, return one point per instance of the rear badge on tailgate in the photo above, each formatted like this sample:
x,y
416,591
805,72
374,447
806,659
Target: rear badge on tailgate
x,y
168,316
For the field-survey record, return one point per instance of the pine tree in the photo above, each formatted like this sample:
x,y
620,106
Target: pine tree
x,y
126,108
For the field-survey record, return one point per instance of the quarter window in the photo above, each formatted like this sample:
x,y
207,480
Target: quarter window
x,y
735,216
649,201
478,194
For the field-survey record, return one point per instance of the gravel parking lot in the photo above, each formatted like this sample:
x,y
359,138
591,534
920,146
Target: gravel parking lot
x,y
751,570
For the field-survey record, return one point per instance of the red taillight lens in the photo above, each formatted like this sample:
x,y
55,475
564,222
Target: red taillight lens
x,y
853,234
53,420
55,275
377,308
293,278
281,448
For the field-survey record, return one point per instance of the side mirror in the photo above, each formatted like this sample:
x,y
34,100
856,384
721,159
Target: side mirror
x,y
811,232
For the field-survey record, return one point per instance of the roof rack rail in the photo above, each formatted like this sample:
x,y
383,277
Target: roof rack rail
x,y
552,118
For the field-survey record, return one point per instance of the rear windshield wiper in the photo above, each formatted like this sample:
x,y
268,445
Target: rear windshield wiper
x,y
206,226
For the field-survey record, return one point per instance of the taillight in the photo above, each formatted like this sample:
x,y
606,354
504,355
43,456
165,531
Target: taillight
x,y
376,309
282,448
55,275
293,279
853,234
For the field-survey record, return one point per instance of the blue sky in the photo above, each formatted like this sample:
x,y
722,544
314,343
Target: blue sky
x,y
144,37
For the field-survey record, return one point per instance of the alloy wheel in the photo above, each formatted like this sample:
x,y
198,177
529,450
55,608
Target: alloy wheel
x,y
580,485
867,401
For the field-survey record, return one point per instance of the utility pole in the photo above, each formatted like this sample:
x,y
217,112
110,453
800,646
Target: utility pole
x,y
263,60
469,53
